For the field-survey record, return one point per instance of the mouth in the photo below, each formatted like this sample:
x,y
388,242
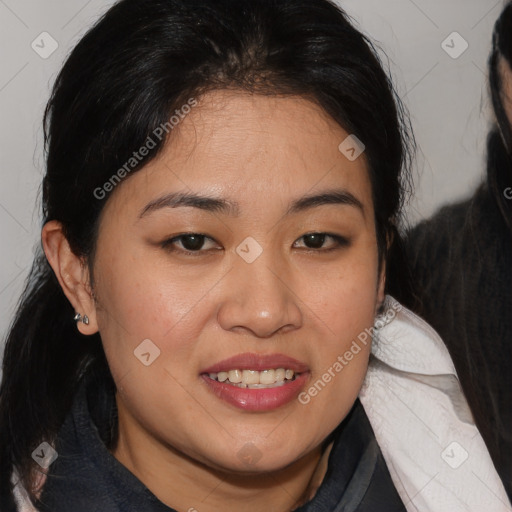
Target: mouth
x,y
255,382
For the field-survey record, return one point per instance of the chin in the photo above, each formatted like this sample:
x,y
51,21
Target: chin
x,y
250,460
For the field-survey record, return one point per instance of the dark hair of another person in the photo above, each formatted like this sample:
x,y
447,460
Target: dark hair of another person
x,y
499,142
127,75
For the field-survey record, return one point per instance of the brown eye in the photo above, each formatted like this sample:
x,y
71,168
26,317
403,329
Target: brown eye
x,y
322,242
314,241
190,243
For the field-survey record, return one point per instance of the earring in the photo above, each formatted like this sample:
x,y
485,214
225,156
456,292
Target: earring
x,y
78,317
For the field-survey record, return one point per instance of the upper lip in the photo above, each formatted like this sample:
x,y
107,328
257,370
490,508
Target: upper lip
x,y
258,362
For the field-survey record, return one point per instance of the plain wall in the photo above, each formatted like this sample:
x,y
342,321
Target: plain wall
x,y
446,97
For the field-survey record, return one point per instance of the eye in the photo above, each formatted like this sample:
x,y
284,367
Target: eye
x,y
316,241
190,243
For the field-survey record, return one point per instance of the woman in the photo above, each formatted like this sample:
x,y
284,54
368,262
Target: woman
x,y
224,181
467,293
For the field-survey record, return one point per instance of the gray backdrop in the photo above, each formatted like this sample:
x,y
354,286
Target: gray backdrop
x,y
442,82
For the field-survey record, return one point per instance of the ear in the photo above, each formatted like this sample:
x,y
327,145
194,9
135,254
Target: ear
x,y
72,274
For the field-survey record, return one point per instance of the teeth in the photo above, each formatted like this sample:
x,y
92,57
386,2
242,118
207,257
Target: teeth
x,y
280,374
254,379
235,376
267,377
250,377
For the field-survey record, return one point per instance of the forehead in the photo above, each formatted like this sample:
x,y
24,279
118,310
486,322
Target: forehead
x,y
254,147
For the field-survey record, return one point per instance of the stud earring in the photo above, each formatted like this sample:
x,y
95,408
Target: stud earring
x,y
78,317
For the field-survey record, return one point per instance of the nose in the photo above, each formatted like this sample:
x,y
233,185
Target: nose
x,y
259,298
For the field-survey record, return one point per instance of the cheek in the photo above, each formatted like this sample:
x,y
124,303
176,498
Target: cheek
x,y
140,302
347,317
344,303
345,296
141,305
341,360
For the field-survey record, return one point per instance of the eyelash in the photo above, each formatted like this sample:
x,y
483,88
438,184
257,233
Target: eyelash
x,y
341,243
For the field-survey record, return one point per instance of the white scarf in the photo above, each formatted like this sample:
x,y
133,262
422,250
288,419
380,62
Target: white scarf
x,y
411,394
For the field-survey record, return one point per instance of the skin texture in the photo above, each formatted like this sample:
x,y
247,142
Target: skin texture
x,y
176,436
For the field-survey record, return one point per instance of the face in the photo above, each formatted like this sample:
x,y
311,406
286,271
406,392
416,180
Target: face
x,y
248,244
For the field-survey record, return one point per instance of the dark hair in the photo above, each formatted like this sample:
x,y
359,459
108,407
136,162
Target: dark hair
x,y
499,141
140,62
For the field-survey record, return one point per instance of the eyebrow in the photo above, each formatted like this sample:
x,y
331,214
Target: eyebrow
x,y
232,208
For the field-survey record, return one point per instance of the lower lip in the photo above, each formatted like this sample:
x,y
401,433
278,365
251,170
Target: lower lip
x,y
266,399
